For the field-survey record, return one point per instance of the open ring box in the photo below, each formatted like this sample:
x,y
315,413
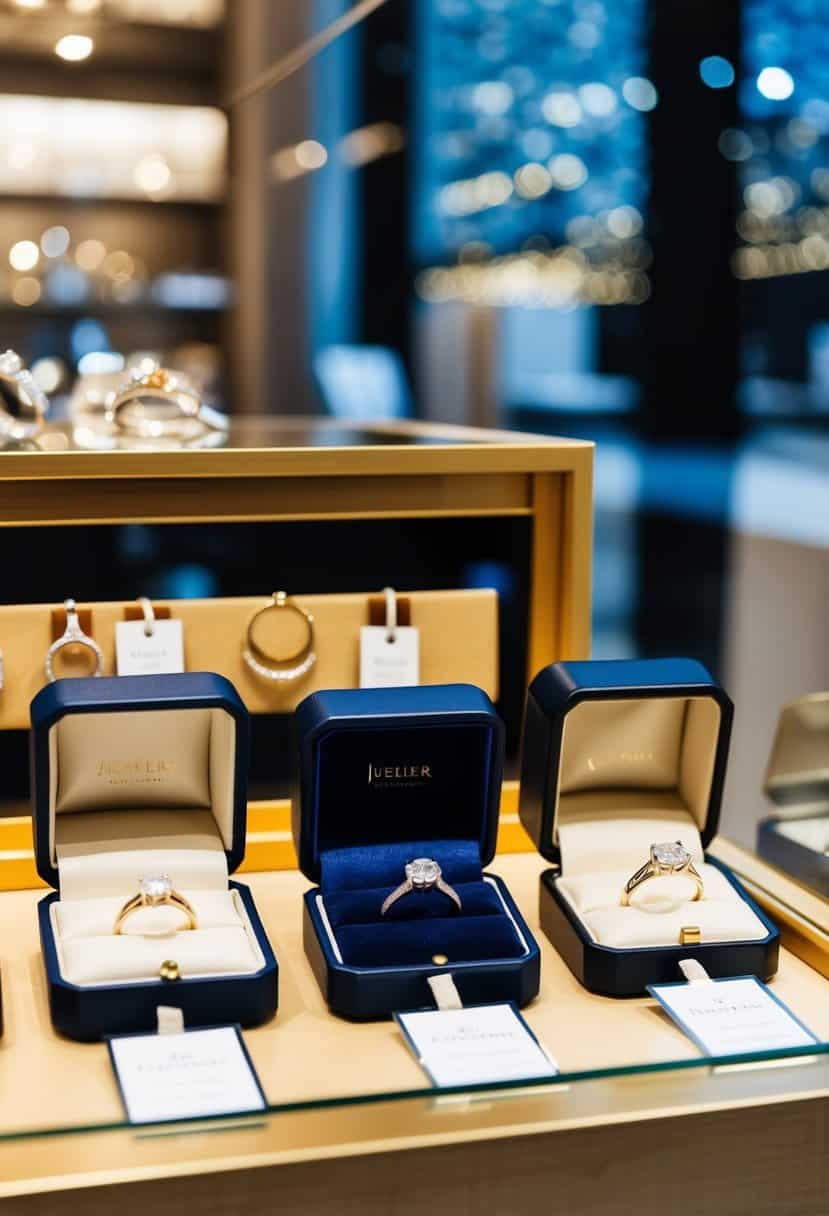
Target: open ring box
x,y
139,776
385,776
617,756
796,837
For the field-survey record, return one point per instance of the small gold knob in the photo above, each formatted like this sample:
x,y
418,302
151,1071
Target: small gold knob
x,y
440,960
169,970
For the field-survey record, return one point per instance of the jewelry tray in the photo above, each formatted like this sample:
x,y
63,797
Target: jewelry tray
x,y
617,756
384,776
133,777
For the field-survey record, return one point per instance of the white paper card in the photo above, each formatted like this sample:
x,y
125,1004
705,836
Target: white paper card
x,y
732,1017
185,1076
476,1045
140,654
389,664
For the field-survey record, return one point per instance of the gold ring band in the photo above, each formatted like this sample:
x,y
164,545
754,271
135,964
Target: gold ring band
x,y
666,859
155,891
270,667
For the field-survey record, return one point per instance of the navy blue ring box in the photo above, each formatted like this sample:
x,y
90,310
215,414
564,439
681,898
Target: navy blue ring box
x,y
618,755
132,776
384,776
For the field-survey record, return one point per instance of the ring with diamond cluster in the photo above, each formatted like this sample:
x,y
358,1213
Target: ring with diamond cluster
x,y
155,890
666,859
23,403
161,404
422,874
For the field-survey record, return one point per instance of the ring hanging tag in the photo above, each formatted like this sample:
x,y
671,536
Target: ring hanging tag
x,y
149,615
391,613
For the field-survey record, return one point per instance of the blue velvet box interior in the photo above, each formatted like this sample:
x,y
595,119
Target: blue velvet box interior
x,y
385,776
131,775
618,755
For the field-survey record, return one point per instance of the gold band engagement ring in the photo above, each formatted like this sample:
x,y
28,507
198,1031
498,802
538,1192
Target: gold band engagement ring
x,y
666,860
155,891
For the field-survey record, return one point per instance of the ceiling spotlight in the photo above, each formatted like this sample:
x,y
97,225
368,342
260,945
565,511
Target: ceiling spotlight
x,y
74,47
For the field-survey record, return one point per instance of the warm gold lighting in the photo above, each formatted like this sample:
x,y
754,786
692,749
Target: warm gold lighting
x,y
119,265
83,8
26,292
30,3
310,154
24,255
562,278
369,143
153,175
298,159
74,47
90,254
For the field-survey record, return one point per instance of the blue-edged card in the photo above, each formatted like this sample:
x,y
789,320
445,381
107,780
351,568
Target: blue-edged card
x,y
729,1017
479,1044
190,1074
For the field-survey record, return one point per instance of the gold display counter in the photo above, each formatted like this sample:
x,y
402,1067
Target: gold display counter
x,y
351,1095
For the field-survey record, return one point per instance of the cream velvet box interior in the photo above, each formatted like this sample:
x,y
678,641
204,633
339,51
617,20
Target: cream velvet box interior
x,y
133,778
619,756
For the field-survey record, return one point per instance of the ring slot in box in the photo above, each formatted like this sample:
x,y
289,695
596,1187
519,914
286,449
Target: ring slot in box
x,y
385,776
619,756
796,837
135,777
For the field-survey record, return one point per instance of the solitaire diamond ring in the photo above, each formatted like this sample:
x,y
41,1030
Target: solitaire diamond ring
x,y
23,403
154,890
422,874
666,859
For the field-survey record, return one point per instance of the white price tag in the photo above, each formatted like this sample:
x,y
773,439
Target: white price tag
x,y
185,1076
138,653
476,1045
389,660
733,1016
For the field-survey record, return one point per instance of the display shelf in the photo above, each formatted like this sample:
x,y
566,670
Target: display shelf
x,y
347,1089
306,469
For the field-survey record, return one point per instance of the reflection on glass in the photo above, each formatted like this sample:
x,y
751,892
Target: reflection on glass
x,y
796,837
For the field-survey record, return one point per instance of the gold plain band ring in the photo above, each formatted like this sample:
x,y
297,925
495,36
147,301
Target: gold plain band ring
x,y
155,891
666,859
73,635
275,668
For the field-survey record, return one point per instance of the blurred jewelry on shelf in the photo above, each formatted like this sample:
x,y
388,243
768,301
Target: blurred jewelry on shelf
x,y
666,859
280,668
23,403
156,891
73,635
161,404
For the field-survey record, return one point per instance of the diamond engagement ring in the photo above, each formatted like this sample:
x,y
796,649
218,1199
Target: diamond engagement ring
x,y
23,403
153,891
73,635
666,859
422,874
161,404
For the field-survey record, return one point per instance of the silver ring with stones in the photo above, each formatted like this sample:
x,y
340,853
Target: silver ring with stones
x,y
23,403
73,635
422,874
